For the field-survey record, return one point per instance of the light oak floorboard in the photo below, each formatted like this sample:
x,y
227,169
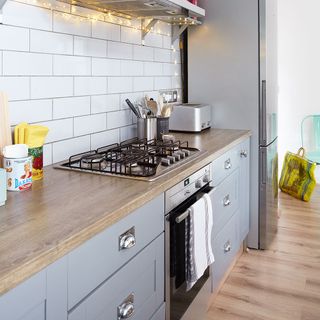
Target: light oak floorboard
x,y
283,282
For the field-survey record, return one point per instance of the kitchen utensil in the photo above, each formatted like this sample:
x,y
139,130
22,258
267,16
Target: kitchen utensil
x,y
15,151
132,107
153,106
5,130
166,111
160,103
147,128
3,189
19,174
162,127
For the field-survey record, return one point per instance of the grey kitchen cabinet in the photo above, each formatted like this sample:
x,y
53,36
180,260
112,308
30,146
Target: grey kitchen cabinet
x,y
230,202
225,248
97,259
137,289
124,260
41,297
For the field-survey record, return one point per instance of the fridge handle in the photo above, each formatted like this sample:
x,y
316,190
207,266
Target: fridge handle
x,y
263,166
263,113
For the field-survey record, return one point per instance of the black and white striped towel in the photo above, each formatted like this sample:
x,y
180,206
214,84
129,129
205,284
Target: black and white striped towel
x,y
199,253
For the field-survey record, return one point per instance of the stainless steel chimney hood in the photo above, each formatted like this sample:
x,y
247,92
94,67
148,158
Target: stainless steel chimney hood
x,y
142,9
176,12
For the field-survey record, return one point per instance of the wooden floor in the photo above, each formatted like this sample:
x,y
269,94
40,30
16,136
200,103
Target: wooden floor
x,y
283,282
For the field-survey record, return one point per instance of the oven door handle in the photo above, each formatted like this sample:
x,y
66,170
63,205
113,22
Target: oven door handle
x,y
183,216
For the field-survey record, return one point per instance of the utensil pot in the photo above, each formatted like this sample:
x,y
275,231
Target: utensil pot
x,y
162,127
147,128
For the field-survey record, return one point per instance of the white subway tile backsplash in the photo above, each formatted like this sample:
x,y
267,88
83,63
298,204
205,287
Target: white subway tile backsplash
x,y
131,68
51,87
128,132
176,83
59,129
167,42
142,84
17,88
119,50
130,35
67,23
24,15
47,154
104,138
71,107
143,53
119,119
23,63
13,38
105,103
105,30
162,55
90,85
73,74
71,66
175,56
133,97
168,69
153,69
90,47
90,124
165,28
30,111
106,67
162,83
153,40
50,42
62,150
119,84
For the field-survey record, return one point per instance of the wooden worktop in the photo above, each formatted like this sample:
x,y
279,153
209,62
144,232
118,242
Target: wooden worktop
x,y
66,208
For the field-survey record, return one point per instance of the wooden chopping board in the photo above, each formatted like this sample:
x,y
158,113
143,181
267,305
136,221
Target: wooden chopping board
x,y
5,130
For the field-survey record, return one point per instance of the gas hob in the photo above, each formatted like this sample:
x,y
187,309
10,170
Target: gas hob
x,y
134,158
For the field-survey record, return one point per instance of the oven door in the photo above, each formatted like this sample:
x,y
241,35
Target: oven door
x,y
178,299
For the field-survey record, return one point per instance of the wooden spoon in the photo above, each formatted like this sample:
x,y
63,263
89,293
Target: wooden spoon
x,y
5,130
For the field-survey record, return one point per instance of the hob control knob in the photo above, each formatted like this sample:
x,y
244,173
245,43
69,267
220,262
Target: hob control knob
x,y
198,184
206,178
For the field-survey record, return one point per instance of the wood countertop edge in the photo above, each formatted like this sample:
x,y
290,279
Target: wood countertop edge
x,y
26,270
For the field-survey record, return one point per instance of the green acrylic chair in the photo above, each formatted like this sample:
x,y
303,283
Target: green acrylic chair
x,y
310,137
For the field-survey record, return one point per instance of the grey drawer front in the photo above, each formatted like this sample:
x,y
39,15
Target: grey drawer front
x,y
223,257
160,314
224,165
225,201
25,301
95,261
38,313
143,277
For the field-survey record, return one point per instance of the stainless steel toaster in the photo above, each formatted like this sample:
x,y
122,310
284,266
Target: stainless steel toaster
x,y
190,117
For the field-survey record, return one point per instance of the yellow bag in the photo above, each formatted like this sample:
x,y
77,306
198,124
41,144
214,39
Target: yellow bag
x,y
297,176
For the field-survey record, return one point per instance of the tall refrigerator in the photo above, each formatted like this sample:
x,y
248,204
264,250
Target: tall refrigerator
x,y
232,64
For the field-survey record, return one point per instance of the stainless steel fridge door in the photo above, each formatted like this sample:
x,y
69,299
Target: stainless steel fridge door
x,y
268,198
268,75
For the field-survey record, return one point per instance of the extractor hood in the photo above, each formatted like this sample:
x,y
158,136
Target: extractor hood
x,y
143,9
176,12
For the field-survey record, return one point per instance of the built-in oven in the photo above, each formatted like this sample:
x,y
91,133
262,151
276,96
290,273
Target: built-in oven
x,y
178,200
